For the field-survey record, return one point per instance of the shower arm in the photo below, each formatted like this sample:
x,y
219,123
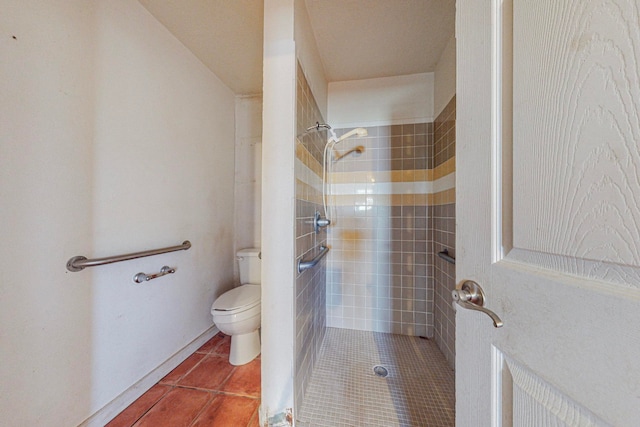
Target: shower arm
x,y
337,156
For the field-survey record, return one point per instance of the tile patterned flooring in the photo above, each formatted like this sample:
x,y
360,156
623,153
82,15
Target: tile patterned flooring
x,y
344,391
204,390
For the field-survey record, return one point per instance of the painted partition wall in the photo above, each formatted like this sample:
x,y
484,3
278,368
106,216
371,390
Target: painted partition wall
x,y
278,197
248,173
292,304
114,138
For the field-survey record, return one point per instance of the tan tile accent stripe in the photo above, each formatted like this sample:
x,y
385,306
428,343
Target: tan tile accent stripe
x,y
413,175
444,169
442,198
307,159
305,192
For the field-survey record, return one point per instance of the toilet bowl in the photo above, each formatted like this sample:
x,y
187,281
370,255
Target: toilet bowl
x,y
237,312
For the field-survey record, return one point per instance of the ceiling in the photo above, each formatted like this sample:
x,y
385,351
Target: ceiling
x,y
357,39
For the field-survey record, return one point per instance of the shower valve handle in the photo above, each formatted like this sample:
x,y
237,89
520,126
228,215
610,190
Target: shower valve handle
x,y
468,294
323,222
319,222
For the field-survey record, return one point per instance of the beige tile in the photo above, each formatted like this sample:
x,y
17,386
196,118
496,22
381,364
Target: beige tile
x,y
419,388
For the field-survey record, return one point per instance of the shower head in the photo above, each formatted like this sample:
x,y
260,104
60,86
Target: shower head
x,y
359,132
330,156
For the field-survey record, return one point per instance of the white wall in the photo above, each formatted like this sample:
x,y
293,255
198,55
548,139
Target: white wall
x,y
381,101
445,77
278,208
114,139
248,172
309,56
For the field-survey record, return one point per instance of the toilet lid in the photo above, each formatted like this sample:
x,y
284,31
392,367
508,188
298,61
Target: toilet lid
x,y
243,296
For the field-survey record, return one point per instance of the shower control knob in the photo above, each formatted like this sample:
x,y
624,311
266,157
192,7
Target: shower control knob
x,y
468,294
323,222
319,222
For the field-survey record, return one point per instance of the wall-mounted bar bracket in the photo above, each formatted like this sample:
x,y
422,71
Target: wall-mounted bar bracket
x,y
141,277
445,256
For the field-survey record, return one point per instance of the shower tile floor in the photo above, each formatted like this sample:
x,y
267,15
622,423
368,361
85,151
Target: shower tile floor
x,y
344,391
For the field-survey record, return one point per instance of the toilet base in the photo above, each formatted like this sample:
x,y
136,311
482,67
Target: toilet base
x,y
244,348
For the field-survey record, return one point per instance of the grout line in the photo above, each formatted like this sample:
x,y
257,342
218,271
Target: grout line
x,y
205,406
154,404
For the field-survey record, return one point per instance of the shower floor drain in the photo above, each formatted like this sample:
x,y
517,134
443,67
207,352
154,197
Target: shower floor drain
x,y
380,371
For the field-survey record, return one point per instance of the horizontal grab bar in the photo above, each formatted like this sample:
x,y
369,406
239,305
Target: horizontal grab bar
x,y
141,277
305,265
445,256
79,263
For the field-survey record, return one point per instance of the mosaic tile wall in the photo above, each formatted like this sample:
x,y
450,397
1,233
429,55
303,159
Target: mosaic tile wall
x,y
444,237
380,275
310,301
388,202
392,210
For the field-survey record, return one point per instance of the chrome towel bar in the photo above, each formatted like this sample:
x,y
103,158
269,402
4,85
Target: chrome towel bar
x,y
445,256
305,265
78,263
141,277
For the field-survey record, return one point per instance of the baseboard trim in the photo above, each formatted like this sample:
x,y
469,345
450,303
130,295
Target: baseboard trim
x,y
110,410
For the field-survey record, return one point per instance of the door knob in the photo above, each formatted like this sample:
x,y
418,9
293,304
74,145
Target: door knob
x,y
468,294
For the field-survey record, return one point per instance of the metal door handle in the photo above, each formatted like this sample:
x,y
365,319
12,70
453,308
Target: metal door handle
x,y
468,294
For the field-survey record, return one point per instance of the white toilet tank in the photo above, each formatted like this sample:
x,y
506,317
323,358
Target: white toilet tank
x,y
249,262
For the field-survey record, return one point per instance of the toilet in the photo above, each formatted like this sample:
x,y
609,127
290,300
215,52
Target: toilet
x,y
237,311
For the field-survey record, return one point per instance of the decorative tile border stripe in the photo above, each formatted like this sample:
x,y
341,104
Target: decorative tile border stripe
x,y
365,200
445,168
427,193
406,176
411,175
427,187
307,193
407,187
304,156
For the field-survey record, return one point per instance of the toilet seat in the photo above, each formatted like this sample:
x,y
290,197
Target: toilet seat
x,y
236,300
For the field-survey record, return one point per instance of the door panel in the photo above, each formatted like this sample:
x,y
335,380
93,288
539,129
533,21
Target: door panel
x,y
536,402
576,98
548,198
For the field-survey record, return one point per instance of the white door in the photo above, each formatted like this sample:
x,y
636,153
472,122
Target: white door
x,y
548,211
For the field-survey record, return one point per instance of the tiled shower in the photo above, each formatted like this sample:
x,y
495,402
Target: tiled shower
x,y
310,298
443,225
393,210
379,273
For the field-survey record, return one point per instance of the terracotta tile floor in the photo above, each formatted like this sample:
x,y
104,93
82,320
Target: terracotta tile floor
x,y
204,390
